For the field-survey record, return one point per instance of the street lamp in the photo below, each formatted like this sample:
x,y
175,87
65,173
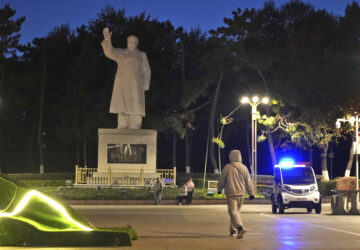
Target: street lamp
x,y
254,102
353,120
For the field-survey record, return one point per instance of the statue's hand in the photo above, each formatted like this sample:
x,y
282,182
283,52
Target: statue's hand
x,y
107,34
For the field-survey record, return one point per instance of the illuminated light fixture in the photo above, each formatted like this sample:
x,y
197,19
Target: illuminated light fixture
x,y
254,102
265,100
288,162
33,193
244,100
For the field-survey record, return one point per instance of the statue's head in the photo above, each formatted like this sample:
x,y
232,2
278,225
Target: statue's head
x,y
132,42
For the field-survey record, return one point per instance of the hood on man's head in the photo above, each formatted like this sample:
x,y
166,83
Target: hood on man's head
x,y
235,156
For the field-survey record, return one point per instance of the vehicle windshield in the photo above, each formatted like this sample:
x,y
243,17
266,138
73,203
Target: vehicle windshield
x,y
298,176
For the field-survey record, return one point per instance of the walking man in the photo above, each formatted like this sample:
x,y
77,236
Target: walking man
x,y
236,180
158,188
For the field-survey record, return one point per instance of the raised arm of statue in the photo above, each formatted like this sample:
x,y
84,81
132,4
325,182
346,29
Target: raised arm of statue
x,y
109,50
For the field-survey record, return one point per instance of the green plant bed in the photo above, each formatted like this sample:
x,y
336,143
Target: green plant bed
x,y
35,176
131,193
28,217
325,187
41,183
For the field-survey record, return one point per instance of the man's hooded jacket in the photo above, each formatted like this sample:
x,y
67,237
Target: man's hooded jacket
x,y
235,177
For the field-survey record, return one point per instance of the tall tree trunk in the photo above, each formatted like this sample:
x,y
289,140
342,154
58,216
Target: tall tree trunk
x,y
84,148
213,162
351,159
183,79
311,156
174,150
187,153
2,79
1,159
77,151
323,157
268,132
188,144
248,145
40,144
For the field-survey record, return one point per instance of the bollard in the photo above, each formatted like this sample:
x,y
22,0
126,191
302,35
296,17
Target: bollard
x,y
354,210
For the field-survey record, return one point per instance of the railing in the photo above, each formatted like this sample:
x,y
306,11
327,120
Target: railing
x,y
168,175
123,177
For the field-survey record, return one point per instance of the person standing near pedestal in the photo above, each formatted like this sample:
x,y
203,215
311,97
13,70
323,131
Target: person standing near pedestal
x,y
158,188
131,80
190,186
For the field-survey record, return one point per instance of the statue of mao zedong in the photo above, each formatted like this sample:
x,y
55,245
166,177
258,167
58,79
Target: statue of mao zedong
x,y
132,79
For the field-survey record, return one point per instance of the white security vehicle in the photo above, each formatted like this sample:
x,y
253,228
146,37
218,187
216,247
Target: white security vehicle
x,y
295,186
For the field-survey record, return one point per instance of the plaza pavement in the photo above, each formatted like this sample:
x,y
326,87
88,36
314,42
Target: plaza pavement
x,y
206,227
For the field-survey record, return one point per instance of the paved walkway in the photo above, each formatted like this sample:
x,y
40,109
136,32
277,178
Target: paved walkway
x,y
206,227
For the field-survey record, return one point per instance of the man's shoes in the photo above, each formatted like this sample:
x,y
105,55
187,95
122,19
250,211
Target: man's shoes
x,y
240,233
233,233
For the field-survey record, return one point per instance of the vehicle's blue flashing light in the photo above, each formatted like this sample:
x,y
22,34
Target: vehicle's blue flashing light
x,y
286,162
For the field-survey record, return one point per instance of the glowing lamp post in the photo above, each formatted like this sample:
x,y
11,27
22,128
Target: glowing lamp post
x,y
353,120
254,102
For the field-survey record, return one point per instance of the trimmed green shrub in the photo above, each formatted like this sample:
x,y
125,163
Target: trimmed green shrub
x,y
325,187
42,183
45,176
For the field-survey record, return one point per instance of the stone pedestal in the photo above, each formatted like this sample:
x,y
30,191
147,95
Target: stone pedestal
x,y
123,149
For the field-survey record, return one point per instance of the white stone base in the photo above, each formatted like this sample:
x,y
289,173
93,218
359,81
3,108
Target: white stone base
x,y
347,173
325,174
127,136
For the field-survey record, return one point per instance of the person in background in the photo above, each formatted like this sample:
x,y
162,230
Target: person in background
x,y
235,178
190,190
183,194
158,188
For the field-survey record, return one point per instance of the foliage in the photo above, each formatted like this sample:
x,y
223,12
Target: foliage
x,y
302,56
129,193
45,176
325,187
218,141
9,32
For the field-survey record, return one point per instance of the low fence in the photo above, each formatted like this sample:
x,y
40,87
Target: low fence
x,y
123,177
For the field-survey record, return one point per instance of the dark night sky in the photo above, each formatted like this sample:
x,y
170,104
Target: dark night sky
x,y
43,15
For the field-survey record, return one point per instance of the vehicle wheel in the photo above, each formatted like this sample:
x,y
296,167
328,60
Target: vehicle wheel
x,y
318,208
274,208
309,209
281,206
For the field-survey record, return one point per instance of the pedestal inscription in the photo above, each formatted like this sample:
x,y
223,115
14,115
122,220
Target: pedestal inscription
x,y
126,153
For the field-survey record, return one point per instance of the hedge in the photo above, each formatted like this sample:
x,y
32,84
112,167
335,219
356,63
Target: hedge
x,y
35,176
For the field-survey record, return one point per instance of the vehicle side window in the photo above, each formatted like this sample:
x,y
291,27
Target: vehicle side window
x,y
277,177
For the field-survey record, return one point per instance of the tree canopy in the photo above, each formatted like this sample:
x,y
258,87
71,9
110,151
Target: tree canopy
x,y
303,57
